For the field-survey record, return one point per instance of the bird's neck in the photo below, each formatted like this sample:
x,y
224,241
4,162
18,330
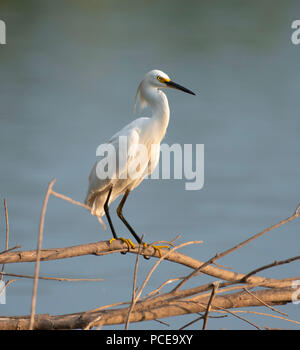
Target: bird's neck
x,y
160,107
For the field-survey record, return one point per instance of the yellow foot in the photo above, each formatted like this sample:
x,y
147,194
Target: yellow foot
x,y
111,240
159,248
127,241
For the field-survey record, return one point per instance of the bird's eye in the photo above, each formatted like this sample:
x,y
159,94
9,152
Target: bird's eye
x,y
159,78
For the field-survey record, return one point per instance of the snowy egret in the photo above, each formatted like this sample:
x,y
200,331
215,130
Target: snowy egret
x,y
142,131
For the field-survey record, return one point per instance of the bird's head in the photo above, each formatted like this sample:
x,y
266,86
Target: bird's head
x,y
159,79
156,79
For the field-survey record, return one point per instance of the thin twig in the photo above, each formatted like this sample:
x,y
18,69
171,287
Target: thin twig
x,y
133,300
5,286
268,315
215,286
162,322
38,254
160,260
263,303
170,280
239,317
7,225
6,233
191,322
260,314
68,199
100,308
92,323
10,249
238,246
60,279
198,319
275,263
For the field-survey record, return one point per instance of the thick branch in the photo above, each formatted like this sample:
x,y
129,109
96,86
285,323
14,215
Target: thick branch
x,y
140,313
104,247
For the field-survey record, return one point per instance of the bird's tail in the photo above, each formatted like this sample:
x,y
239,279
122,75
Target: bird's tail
x,y
96,203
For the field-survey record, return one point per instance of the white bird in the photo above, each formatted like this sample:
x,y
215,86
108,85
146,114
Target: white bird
x,y
140,132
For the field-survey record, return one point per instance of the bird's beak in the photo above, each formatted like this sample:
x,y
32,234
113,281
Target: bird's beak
x,y
173,85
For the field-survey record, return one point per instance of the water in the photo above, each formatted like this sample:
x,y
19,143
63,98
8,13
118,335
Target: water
x,y
69,74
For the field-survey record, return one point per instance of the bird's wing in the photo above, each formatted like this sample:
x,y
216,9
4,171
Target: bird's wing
x,y
126,146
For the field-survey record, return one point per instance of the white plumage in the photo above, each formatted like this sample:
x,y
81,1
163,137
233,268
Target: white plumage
x,y
142,131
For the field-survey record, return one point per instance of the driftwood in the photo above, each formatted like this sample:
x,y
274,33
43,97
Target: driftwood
x,y
230,291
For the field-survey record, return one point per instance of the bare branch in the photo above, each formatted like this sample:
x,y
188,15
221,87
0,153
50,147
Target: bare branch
x,y
275,263
60,279
265,304
215,286
68,199
238,246
142,312
6,234
134,299
231,290
38,253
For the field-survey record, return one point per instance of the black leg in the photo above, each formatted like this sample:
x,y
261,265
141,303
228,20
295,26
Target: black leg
x,y
107,214
120,215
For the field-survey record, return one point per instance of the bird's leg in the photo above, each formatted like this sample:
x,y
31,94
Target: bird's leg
x,y
106,210
138,239
121,216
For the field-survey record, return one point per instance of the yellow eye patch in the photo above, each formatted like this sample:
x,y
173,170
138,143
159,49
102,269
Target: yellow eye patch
x,y
162,80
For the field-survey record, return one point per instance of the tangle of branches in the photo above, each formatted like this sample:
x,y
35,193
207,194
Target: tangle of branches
x,y
229,291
